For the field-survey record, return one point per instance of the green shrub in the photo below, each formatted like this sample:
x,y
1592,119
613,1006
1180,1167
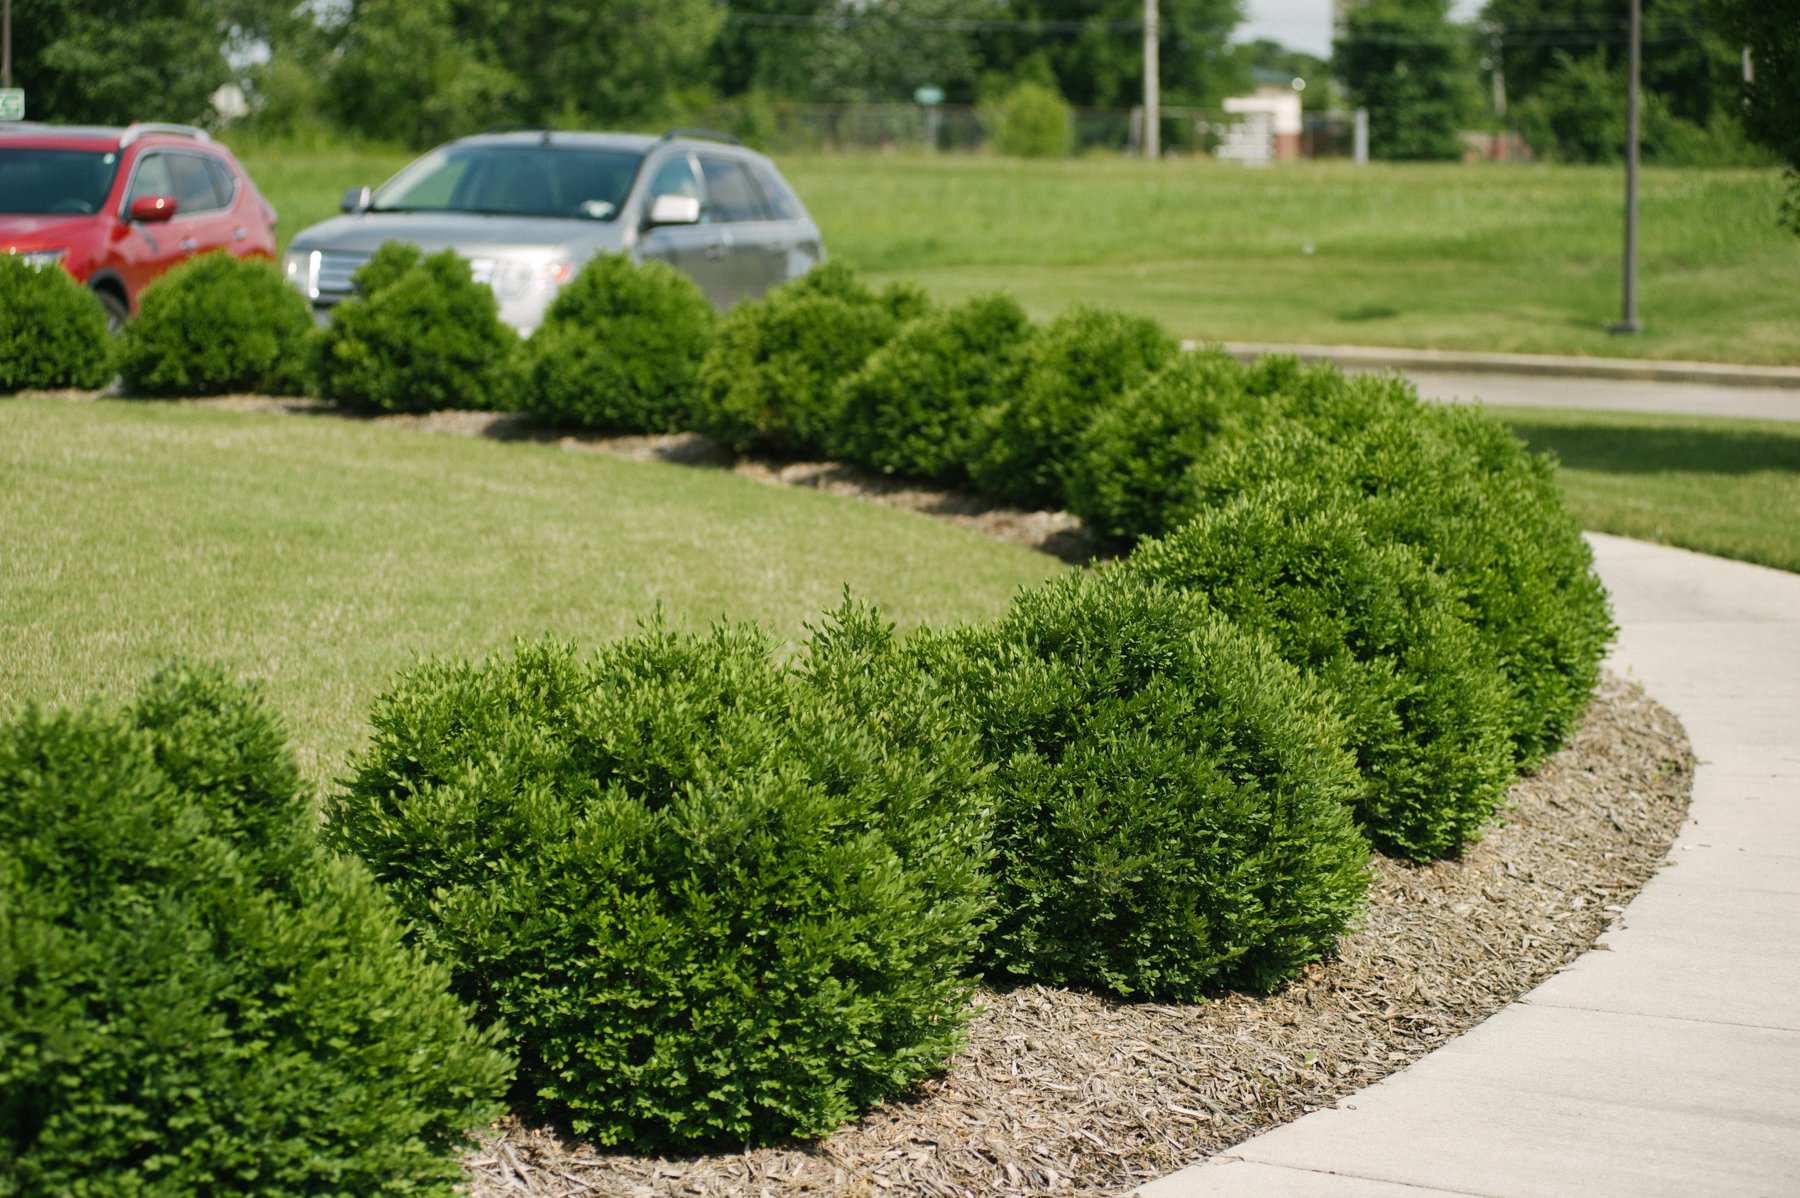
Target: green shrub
x,y
715,901
194,998
619,348
1458,487
1123,480
1034,122
217,324
52,330
1023,448
1172,801
772,380
1423,700
420,335
909,409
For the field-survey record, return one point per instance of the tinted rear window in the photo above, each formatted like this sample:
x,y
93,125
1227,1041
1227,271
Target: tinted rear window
x,y
52,182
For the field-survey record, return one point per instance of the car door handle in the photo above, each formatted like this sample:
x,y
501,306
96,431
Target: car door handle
x,y
239,234
188,243
717,250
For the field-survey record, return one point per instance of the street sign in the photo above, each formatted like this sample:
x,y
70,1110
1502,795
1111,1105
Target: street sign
x,y
12,104
929,95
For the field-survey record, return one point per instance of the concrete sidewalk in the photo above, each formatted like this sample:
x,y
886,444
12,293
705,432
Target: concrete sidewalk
x,y
1669,1065
1587,384
1562,366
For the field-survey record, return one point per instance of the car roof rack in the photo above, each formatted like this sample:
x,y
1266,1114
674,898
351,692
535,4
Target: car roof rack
x,y
701,135
139,129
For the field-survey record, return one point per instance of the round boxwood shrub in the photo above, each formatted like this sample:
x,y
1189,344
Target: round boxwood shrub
x,y
1172,801
1458,487
1123,478
714,901
619,348
1034,122
1022,449
419,335
772,381
194,997
217,324
52,330
909,409
1424,703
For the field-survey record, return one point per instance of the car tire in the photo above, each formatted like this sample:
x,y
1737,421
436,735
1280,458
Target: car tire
x,y
116,311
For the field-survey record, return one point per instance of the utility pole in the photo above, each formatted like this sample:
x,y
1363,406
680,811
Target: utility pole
x,y
1630,322
1152,86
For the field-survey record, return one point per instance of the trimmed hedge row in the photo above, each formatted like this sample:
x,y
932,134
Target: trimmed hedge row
x,y
194,998
712,898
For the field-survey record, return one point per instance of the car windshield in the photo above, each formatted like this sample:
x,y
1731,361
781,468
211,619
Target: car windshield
x,y
39,182
513,180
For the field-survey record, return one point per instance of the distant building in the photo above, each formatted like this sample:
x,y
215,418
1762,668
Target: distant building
x,y
1268,125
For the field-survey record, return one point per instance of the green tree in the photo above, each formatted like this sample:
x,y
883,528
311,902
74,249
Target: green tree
x,y
1264,60
1686,62
1770,30
766,46
590,62
109,63
1409,65
404,74
1095,48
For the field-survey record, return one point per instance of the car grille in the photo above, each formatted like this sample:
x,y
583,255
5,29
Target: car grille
x,y
334,271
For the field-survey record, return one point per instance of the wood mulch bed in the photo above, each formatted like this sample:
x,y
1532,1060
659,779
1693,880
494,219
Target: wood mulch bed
x,y
1065,1093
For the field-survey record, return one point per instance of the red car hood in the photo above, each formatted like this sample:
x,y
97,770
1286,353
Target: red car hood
x,y
34,232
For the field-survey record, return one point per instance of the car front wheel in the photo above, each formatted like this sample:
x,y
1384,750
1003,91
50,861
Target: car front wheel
x,y
116,311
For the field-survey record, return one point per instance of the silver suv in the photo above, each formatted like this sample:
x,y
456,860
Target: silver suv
x,y
527,209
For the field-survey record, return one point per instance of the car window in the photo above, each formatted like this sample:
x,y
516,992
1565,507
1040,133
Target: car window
x,y
781,201
224,182
731,194
42,182
152,178
513,180
675,177
194,187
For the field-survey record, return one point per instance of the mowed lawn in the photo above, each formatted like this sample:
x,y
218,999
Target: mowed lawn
x,y
1726,487
1511,258
318,555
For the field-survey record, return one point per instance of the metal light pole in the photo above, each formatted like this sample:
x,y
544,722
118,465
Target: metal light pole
x,y
5,43
1152,86
1630,322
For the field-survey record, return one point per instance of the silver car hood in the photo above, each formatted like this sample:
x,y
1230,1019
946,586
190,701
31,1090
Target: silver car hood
x,y
469,234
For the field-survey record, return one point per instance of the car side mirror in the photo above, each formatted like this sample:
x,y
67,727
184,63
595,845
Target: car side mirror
x,y
152,210
674,210
356,200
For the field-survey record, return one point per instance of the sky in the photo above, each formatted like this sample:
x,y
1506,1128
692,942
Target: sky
x,y
1306,24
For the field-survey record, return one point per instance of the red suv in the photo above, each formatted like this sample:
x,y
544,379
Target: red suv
x,y
118,207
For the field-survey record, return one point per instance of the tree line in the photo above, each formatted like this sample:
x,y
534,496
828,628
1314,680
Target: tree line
x,y
418,71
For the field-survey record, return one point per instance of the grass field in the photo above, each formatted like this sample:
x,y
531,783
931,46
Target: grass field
x,y
319,555
1513,258
1725,487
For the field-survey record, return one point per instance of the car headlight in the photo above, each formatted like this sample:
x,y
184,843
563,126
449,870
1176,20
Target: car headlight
x,y
301,267
39,259
511,277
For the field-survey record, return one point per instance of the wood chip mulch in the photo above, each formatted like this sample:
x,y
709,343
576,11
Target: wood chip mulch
x,y
1065,1093
1060,1092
